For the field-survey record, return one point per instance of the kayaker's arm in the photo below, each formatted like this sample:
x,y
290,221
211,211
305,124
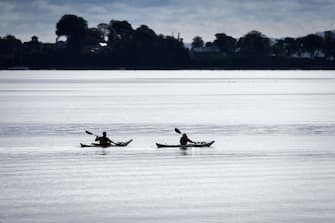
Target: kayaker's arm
x,y
189,140
110,141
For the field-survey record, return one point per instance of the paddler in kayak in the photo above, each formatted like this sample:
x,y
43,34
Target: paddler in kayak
x,y
184,140
104,140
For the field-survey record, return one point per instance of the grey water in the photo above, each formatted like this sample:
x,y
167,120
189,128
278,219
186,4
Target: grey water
x,y
273,159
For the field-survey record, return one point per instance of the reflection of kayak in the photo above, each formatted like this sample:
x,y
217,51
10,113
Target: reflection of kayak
x,y
119,144
197,144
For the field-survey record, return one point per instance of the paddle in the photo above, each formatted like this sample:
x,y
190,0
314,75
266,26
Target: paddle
x,y
90,133
177,131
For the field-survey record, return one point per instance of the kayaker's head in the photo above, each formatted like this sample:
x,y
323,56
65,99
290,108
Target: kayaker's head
x,y
184,135
104,133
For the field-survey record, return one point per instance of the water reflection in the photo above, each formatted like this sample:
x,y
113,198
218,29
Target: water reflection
x,y
101,152
184,152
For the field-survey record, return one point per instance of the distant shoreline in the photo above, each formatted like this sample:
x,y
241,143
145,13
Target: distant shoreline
x,y
117,45
172,69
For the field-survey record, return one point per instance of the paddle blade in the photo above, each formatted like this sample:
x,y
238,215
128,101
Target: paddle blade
x,y
90,133
177,131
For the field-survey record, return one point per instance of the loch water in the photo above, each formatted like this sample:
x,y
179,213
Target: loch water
x,y
273,159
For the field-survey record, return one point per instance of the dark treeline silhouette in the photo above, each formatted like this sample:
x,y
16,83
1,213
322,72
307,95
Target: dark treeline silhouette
x,y
117,45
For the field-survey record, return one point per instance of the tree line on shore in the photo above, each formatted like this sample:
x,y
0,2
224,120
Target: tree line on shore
x,y
117,45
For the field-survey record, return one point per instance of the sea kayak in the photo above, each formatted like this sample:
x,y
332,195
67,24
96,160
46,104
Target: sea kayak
x,y
197,144
119,144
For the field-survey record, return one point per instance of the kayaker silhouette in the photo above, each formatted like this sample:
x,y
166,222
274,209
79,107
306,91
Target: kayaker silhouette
x,y
104,140
184,140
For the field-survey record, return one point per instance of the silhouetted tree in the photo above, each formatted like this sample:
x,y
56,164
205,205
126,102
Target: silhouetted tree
x,y
74,28
225,43
8,43
10,51
208,44
94,36
292,46
119,30
279,49
329,44
254,43
144,42
145,30
197,42
144,37
311,43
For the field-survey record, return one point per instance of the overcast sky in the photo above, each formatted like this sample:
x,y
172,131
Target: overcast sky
x,y
275,18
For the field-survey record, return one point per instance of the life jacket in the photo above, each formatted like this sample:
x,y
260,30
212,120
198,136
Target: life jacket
x,y
183,140
103,140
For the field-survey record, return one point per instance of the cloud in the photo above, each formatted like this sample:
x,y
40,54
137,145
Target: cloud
x,y
194,17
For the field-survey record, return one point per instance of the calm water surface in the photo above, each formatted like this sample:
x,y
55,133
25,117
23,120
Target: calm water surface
x,y
273,160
